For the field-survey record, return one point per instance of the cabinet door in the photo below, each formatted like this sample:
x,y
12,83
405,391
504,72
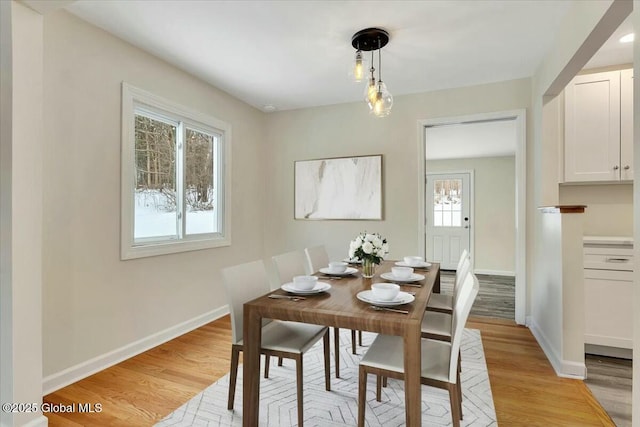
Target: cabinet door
x,y
608,308
592,128
626,124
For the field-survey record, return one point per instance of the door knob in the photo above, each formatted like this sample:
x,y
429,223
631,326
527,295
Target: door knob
x,y
616,167
626,167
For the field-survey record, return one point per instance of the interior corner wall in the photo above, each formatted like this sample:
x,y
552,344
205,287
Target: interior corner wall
x,y
636,221
586,26
349,130
22,210
6,166
95,305
494,210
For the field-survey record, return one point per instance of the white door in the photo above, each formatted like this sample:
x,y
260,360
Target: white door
x,y
448,217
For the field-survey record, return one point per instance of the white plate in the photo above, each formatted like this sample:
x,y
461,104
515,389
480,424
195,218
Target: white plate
x,y
421,265
352,261
401,298
318,288
413,278
347,272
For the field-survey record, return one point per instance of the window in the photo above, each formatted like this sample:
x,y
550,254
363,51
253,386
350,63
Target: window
x,y
447,203
175,164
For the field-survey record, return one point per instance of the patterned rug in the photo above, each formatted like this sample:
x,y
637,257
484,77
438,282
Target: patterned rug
x,y
278,405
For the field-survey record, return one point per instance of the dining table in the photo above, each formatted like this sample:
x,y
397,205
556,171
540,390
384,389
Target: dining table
x,y
340,307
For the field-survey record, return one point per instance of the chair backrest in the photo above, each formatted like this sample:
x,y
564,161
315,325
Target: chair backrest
x,y
464,267
464,255
288,265
243,283
317,258
468,290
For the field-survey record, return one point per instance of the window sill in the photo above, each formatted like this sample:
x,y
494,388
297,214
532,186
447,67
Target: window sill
x,y
155,249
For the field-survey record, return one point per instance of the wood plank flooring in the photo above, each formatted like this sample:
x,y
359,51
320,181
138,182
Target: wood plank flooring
x,y
610,381
144,389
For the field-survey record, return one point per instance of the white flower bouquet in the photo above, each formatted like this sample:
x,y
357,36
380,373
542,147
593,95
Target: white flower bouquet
x,y
369,247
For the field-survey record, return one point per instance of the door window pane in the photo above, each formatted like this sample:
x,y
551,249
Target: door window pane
x,y
447,203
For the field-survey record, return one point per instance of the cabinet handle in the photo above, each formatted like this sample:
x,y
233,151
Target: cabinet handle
x,y
626,167
618,260
616,167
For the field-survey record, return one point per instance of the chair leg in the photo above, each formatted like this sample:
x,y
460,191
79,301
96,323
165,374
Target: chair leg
x,y
233,375
353,341
327,364
384,381
360,338
299,385
453,400
459,388
379,388
267,359
279,361
362,393
336,347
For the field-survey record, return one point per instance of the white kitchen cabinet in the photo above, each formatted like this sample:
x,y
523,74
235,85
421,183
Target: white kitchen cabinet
x,y
626,124
595,108
608,291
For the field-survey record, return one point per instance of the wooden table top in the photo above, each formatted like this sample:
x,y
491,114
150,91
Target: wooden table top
x,y
339,306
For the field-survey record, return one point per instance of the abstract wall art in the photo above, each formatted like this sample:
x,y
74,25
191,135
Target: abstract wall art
x,y
338,188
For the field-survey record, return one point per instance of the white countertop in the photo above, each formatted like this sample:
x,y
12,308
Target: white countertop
x,y
607,240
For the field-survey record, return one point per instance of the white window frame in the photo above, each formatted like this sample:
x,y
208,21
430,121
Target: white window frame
x,y
132,98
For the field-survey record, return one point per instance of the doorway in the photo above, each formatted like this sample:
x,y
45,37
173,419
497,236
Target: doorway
x,y
448,207
518,186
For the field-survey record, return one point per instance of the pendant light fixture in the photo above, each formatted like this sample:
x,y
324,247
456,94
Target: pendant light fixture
x,y
377,96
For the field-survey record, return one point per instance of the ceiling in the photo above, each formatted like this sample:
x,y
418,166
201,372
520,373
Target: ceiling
x,y
282,55
297,54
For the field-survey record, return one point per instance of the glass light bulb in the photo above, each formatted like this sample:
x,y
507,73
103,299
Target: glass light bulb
x,y
383,101
359,67
370,92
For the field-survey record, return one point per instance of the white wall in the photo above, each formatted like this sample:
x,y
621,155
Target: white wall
x,y
636,222
587,26
348,130
21,249
604,202
94,303
494,205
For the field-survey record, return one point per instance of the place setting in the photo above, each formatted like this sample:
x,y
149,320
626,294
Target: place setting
x,y
415,262
404,275
385,296
338,269
303,285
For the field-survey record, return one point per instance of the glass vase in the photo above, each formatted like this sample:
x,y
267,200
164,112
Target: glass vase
x,y
368,268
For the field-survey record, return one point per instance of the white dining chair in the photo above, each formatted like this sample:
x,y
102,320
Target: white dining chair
x,y
442,302
437,324
440,359
317,258
289,340
294,263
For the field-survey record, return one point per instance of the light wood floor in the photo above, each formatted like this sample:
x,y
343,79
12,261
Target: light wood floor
x,y
142,390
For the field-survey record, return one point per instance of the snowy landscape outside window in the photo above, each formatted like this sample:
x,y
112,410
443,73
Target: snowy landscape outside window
x,y
176,160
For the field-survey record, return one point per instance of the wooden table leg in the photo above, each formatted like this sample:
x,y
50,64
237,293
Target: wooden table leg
x,y
412,388
436,284
252,333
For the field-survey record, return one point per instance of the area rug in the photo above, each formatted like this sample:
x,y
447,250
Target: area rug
x,y
339,407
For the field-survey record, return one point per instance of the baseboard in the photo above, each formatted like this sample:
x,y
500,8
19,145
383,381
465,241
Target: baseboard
x,y
562,367
494,272
41,421
82,370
